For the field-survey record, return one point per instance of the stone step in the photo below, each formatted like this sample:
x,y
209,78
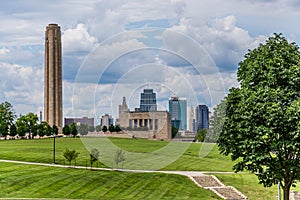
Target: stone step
x,y
208,181
214,184
229,193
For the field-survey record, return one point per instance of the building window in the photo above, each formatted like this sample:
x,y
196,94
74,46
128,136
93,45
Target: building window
x,y
140,122
151,124
135,123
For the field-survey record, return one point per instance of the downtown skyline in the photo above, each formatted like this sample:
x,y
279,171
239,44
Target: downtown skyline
x,y
225,32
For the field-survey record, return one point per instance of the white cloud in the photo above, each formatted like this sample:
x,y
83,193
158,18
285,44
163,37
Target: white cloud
x,y
24,88
225,31
4,51
78,39
224,41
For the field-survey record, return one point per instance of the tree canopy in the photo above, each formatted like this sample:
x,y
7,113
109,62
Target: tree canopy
x,y
7,116
262,124
83,129
73,129
104,129
216,122
27,124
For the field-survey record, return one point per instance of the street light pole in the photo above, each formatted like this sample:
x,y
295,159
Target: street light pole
x,y
54,135
279,195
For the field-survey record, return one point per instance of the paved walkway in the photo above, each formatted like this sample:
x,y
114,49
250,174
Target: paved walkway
x,y
200,178
185,173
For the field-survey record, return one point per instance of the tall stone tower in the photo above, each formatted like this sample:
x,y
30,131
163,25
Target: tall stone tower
x,y
53,76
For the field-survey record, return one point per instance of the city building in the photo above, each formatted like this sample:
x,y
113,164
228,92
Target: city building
x,y
148,101
150,125
178,112
78,121
107,120
202,117
192,119
53,76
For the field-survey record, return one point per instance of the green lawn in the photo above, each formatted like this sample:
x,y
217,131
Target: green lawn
x,y
248,185
190,160
28,181
42,151
23,181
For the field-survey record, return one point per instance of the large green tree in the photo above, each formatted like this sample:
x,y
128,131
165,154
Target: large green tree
x,y
27,124
13,131
262,124
43,129
7,117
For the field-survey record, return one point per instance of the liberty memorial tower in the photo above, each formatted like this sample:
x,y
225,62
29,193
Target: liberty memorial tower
x,y
53,76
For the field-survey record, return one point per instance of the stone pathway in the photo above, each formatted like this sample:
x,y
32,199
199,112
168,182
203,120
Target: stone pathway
x,y
214,184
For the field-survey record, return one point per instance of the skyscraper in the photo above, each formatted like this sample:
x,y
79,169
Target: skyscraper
x,y
148,101
53,76
191,119
178,111
202,117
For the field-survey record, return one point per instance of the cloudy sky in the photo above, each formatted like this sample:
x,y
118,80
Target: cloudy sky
x,y
187,48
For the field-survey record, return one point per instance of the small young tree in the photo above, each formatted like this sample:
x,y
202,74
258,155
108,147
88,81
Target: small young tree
x,y
174,131
83,129
94,156
91,128
98,128
119,157
201,135
111,128
54,129
73,129
66,130
104,128
70,155
118,128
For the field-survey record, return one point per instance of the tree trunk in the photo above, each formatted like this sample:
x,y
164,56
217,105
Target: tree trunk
x,y
286,192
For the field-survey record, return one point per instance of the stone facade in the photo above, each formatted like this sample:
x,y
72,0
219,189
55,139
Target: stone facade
x,y
53,76
155,124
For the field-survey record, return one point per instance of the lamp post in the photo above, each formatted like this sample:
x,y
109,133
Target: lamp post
x,y
54,135
279,196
